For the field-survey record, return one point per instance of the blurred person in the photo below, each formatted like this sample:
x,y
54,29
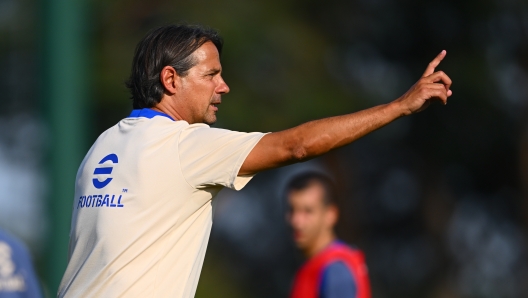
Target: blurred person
x,y
17,276
142,210
333,269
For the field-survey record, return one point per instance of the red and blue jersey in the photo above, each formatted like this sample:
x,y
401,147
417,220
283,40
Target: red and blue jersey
x,y
337,271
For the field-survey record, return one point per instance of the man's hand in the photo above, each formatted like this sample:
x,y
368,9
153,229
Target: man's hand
x,y
432,86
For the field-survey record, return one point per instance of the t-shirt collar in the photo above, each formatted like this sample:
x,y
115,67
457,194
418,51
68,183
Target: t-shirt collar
x,y
148,113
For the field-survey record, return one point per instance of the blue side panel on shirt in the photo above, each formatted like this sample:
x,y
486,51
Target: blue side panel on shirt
x,y
148,113
18,278
337,282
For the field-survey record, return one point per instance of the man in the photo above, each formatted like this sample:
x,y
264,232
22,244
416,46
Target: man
x,y
333,269
17,276
142,207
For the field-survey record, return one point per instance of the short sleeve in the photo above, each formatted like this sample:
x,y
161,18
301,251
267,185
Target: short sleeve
x,y
337,282
213,156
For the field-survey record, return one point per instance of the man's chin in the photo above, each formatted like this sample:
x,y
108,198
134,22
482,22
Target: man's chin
x,y
210,120
300,244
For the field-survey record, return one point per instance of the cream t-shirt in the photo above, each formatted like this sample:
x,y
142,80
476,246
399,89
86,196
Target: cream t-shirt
x,y
142,211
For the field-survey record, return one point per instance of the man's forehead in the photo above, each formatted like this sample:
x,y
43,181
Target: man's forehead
x,y
207,51
312,192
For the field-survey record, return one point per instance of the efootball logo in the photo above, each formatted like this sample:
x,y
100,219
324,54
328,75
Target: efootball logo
x,y
107,170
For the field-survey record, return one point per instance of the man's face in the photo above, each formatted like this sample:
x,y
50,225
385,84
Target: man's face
x,y
203,86
308,216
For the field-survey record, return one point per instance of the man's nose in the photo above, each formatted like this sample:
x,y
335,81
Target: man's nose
x,y
222,88
295,220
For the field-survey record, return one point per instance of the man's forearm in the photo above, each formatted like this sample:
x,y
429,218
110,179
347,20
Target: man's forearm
x,y
320,136
317,137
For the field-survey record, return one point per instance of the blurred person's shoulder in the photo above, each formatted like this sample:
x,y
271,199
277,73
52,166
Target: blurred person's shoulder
x,y
17,276
13,243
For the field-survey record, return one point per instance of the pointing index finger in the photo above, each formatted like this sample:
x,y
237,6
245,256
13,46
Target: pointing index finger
x,y
436,61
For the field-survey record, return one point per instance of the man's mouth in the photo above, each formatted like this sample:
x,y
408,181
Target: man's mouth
x,y
214,105
296,235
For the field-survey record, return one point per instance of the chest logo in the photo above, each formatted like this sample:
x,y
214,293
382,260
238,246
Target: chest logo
x,y
105,170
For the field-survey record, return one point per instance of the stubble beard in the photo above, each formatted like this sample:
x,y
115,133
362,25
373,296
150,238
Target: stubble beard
x,y
210,117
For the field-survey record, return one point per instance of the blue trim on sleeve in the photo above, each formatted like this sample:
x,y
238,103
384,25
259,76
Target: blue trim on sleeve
x,y
337,282
148,113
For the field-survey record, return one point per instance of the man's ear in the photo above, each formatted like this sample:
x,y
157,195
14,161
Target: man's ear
x,y
169,79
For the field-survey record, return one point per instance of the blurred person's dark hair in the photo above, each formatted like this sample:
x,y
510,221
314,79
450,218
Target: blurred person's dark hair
x,y
304,180
170,45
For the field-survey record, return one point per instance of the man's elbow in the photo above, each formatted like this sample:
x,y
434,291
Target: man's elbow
x,y
299,153
304,149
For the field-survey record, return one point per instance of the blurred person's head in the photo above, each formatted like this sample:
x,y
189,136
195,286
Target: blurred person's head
x,y
177,49
312,211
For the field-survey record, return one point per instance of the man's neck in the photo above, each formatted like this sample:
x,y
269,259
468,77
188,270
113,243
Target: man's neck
x,y
166,108
322,242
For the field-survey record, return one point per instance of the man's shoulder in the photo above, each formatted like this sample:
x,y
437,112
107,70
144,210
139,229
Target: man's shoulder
x,y
202,131
340,252
16,246
344,247
143,127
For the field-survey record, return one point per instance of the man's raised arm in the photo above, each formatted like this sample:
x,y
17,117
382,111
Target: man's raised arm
x,y
314,138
